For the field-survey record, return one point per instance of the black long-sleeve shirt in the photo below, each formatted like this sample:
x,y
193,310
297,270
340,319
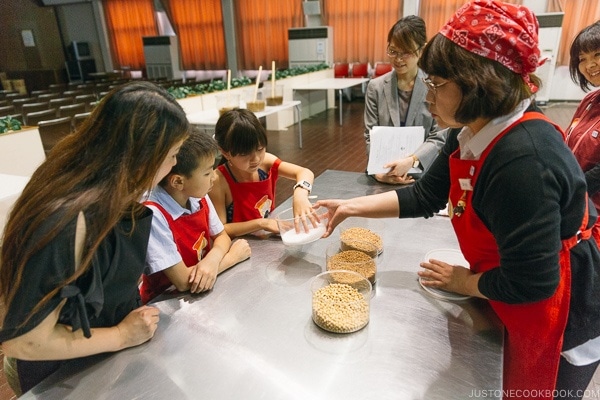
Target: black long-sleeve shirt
x,y
530,194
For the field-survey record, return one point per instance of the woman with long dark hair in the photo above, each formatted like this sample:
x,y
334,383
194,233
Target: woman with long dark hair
x,y
75,243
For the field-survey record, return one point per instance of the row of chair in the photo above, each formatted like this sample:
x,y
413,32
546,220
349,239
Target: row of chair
x,y
96,88
54,99
35,118
57,111
92,87
35,112
72,94
53,130
56,114
361,70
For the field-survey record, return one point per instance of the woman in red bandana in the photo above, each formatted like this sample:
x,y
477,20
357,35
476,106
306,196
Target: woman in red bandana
x,y
517,201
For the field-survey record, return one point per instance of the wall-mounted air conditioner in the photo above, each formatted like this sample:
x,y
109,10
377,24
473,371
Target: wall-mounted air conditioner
x,y
310,46
162,57
549,39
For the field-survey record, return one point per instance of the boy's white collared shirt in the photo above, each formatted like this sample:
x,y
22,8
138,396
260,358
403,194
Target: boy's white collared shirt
x,y
162,250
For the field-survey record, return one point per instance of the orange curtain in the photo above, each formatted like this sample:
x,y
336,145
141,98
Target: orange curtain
x,y
127,22
262,31
360,28
578,15
436,13
555,6
199,28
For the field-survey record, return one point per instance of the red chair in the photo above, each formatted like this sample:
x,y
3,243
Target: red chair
x,y
360,70
382,68
341,70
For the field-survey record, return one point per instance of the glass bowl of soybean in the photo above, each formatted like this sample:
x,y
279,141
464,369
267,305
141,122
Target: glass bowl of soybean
x,y
341,301
357,255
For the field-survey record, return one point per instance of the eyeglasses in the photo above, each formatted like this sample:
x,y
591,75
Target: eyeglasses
x,y
396,54
432,86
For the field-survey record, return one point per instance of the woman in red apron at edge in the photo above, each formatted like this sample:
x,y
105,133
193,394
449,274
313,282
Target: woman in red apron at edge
x,y
516,198
583,134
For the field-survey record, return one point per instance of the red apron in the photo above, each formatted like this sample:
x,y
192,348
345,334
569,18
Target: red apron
x,y
191,235
252,200
583,137
534,331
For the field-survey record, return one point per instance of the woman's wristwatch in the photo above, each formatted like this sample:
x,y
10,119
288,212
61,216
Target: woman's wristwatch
x,y
304,185
416,162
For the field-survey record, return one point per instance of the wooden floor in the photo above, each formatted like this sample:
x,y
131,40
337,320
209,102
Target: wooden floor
x,y
327,145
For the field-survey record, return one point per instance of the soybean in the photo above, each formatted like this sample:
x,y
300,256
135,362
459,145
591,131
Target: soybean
x,y
340,308
354,238
353,260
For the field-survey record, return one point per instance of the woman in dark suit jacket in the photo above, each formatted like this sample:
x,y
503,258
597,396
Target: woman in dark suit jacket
x,y
398,99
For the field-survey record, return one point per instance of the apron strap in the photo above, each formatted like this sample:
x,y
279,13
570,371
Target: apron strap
x,y
529,115
584,233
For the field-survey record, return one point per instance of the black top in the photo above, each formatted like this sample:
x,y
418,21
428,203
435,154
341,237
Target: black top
x,y
108,289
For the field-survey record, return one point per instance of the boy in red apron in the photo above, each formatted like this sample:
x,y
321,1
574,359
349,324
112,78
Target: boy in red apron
x,y
516,198
188,245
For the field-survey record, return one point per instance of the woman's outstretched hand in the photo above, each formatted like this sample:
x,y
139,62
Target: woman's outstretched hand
x,y
335,213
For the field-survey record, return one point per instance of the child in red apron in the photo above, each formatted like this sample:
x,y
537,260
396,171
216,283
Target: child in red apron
x,y
244,191
188,245
516,198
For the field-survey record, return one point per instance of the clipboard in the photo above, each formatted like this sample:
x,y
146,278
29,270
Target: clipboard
x,y
390,143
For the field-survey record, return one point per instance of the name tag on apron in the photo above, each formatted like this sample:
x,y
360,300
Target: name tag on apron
x,y
465,183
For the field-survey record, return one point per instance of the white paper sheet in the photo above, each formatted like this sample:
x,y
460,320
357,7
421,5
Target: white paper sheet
x,y
390,143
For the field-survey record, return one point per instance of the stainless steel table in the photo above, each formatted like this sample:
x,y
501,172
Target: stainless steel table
x,y
252,336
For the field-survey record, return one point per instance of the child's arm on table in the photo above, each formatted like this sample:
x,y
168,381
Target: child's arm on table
x,y
202,276
235,229
238,252
223,255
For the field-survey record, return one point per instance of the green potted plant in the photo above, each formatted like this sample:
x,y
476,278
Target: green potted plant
x,y
8,124
294,71
218,85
